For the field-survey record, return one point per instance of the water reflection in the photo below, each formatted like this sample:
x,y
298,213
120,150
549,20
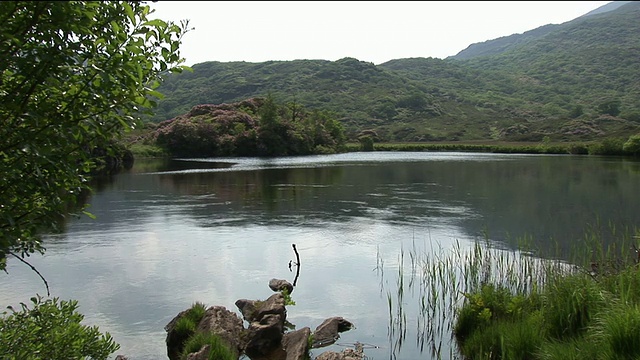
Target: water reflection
x,y
169,233
549,198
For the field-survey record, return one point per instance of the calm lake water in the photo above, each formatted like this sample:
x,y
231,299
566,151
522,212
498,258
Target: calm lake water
x,y
170,233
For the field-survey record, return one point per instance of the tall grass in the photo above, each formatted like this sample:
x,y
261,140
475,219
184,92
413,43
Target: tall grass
x,y
187,324
489,303
218,350
442,281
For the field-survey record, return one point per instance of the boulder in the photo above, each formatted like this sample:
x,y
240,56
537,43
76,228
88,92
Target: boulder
x,y
346,354
227,325
247,308
265,336
296,344
175,340
253,310
327,332
279,285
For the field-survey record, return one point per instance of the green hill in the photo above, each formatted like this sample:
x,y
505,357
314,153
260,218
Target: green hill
x,y
569,82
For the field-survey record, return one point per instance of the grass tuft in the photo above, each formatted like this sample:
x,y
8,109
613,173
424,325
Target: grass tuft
x,y
218,349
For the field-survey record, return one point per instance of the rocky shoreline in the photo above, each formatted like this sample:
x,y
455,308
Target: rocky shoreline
x,y
266,337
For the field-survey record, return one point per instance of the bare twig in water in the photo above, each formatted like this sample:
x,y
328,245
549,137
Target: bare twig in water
x,y
297,264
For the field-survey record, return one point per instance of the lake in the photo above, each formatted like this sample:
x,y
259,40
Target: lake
x,y
168,233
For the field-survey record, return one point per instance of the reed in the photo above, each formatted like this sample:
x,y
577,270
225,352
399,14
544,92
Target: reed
x,y
442,279
483,302
619,330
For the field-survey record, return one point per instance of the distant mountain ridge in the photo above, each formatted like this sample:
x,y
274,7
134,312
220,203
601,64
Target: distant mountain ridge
x,y
605,8
501,44
576,81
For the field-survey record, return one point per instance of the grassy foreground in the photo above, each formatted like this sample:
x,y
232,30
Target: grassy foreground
x,y
492,303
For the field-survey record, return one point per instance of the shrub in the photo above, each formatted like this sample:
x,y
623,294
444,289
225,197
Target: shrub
x,y
481,308
632,145
495,324
366,143
578,149
51,329
609,146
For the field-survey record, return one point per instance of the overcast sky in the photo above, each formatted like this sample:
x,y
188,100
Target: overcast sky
x,y
372,31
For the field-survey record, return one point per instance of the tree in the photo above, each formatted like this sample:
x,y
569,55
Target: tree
x,y
366,143
414,101
611,107
632,145
74,76
576,111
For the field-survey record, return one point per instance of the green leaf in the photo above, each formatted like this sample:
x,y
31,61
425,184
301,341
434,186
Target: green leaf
x,y
129,11
156,23
155,93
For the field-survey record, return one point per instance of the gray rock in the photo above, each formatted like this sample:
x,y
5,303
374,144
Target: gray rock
x,y
253,310
296,344
174,340
227,325
264,336
347,354
327,332
247,308
202,354
279,285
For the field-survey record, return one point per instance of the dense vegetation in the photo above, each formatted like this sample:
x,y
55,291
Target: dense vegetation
x,y
528,304
51,329
254,127
575,81
590,312
74,76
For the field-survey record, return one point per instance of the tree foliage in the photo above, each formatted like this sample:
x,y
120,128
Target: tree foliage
x,y
74,76
632,145
253,127
611,107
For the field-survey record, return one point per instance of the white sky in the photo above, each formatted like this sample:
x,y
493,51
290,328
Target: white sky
x,y
372,31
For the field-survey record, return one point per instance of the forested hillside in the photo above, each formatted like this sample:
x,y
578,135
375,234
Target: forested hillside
x,y
576,81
